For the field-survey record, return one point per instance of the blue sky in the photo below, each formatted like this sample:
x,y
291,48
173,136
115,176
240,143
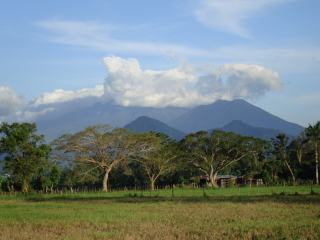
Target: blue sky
x,y
50,45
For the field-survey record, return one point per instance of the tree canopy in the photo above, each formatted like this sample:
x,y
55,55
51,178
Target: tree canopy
x,y
100,147
102,156
313,136
211,153
159,159
24,151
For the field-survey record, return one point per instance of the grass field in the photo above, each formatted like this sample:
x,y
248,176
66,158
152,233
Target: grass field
x,y
233,213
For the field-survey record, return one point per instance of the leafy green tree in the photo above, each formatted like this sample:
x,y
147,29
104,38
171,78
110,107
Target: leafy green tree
x,y
55,175
50,179
68,178
281,144
47,178
1,181
25,152
159,160
7,184
272,169
298,146
258,165
212,153
313,136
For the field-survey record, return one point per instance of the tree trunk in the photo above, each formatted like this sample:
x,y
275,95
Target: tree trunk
x,y
299,155
105,181
272,174
291,172
25,186
152,184
213,179
317,164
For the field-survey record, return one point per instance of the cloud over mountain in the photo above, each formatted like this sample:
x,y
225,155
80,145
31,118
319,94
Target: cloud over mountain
x,y
60,95
129,85
10,102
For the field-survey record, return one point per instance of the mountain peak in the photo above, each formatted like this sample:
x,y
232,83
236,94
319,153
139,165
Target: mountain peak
x,y
173,121
145,118
147,124
219,113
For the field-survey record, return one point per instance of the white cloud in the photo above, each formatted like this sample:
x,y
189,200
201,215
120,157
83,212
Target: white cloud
x,y
230,15
100,37
286,60
60,95
14,108
31,114
248,81
10,102
127,84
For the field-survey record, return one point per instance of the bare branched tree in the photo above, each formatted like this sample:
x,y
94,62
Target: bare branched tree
x,y
211,153
159,159
99,147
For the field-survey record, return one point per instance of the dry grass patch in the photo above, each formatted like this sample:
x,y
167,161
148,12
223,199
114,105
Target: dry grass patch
x,y
247,217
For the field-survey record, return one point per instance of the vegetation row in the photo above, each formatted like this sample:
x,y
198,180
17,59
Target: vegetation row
x,y
104,157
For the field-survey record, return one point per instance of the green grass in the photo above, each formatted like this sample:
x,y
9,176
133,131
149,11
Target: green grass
x,y
244,213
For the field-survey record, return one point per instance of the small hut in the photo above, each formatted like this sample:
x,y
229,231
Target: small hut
x,y
227,180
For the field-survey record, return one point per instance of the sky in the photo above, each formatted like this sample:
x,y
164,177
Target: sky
x,y
161,53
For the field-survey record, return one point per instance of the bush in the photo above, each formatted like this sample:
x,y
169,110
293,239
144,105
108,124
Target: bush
x,y
1,181
8,184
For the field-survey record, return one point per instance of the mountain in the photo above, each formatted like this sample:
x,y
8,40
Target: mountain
x,y
241,128
222,112
73,117
146,124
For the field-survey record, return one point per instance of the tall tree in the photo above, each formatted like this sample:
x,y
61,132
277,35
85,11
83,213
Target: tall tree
x,y
313,136
25,152
258,165
159,159
50,179
298,146
98,147
281,143
211,153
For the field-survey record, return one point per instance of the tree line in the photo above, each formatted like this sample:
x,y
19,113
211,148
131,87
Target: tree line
x,y
104,157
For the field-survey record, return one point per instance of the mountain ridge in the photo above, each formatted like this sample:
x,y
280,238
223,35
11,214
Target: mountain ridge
x,y
222,112
72,117
239,127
